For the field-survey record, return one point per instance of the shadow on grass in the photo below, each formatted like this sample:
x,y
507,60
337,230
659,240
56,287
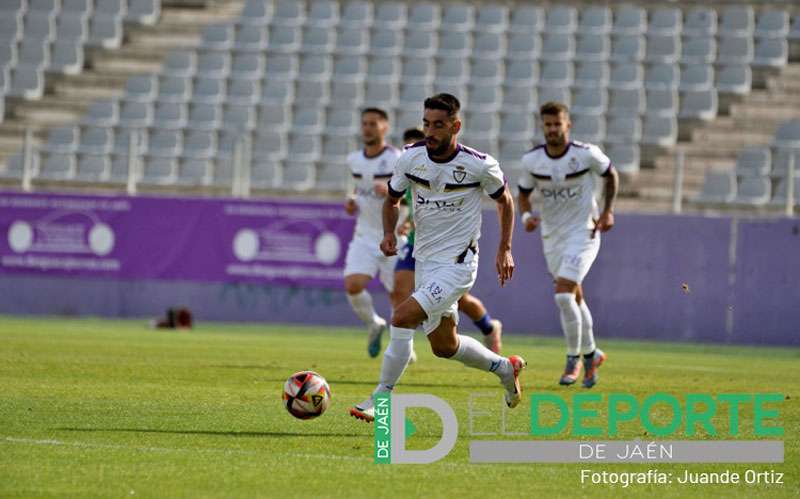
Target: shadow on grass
x,y
237,434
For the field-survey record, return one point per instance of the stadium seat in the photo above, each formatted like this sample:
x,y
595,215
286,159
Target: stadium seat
x,y
629,20
384,70
412,94
144,12
270,144
425,16
281,67
39,26
623,130
626,102
754,161
625,157
315,68
9,55
218,37
214,64
665,22
591,129
696,77
455,44
164,143
737,20
105,31
595,21
256,13
549,93
772,24
194,171
247,66
66,57
352,41
266,173
527,18
331,176
662,77
524,46
719,186
558,47
357,14
244,92
125,138
343,121
417,70
663,102
700,22
141,88
159,170
659,130
349,69
561,19
323,14
699,105
735,79
626,76
699,50
490,45
176,89
480,125
11,29
26,83
521,73
589,101
781,191
58,166
663,49
382,94
487,71
93,168
755,191
788,134
96,141
592,75
308,120
209,90
557,74
781,158
111,7
452,71
205,117
240,117
251,39
120,167
170,115
518,124
458,17
299,175
15,165
34,53
284,39
420,43
277,92
771,52
627,48
291,13
520,98
179,63
72,26
63,140
391,15
317,40
101,113
592,48
794,29
335,148
384,42
347,93
82,7
492,18
513,149
200,145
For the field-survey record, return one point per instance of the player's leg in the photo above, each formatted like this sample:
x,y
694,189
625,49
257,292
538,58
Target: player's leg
x,y
361,265
492,329
571,324
397,275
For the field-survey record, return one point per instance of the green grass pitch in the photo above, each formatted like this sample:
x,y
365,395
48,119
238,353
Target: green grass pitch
x,y
100,408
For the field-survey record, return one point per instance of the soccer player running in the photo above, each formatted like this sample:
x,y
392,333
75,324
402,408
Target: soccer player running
x,y
562,171
447,179
492,329
370,168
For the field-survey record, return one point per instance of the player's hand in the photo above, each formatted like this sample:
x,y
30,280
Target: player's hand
x,y
350,206
389,245
381,188
404,229
532,223
603,224
505,266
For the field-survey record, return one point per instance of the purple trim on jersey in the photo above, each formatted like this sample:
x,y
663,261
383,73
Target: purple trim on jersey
x,y
608,170
393,193
385,147
499,192
415,144
449,158
473,152
569,144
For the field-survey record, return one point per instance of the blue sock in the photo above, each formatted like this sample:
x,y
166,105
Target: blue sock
x,y
484,324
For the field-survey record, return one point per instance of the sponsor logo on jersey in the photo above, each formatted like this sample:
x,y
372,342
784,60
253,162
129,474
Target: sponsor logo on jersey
x,y
562,193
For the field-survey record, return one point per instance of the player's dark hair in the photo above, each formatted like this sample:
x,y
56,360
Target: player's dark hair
x,y
380,112
413,135
553,108
445,102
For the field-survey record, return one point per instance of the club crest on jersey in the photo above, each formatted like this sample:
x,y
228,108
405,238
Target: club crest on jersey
x,y
573,164
459,174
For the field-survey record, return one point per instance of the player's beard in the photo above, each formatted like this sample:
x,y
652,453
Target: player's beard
x,y
371,141
440,149
557,139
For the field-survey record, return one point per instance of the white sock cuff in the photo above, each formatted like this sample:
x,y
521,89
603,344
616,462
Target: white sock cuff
x,y
567,303
399,333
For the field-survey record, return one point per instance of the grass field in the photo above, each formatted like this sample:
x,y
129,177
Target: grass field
x,y
97,408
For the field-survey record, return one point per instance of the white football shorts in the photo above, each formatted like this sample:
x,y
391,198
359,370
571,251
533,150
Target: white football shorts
x,y
572,256
439,287
364,256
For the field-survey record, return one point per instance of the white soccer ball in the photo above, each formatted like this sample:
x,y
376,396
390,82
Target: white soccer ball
x,y
306,395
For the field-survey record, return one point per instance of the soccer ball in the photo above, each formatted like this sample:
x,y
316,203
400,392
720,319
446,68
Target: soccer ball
x,y
306,395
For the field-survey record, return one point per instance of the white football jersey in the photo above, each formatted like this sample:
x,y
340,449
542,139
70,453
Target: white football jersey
x,y
366,171
566,185
447,198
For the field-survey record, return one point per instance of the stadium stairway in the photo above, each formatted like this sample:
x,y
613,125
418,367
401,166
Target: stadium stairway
x,y
750,121
106,70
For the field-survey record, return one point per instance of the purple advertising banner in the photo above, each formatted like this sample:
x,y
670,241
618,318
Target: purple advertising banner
x,y
206,240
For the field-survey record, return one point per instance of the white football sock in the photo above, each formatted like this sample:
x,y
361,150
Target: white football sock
x,y
395,358
570,321
587,334
362,306
472,353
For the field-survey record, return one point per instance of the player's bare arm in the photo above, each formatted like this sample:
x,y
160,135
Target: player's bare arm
x,y
529,221
391,213
610,189
505,261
